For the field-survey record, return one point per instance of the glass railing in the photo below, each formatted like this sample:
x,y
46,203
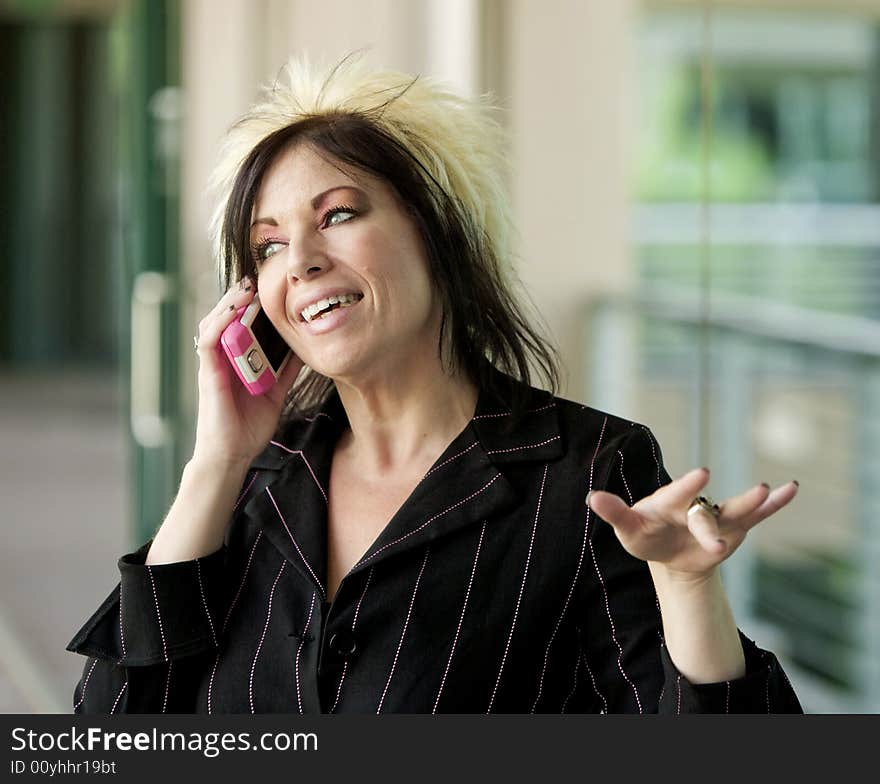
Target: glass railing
x,y
763,391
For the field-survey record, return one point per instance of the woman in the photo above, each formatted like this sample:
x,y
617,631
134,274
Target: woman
x,y
407,531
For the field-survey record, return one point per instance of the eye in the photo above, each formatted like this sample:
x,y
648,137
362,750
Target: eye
x,y
337,215
265,249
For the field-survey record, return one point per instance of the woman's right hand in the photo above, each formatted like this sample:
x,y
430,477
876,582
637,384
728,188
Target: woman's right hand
x,y
233,426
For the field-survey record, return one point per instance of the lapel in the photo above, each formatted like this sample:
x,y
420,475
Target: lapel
x,y
467,484
292,508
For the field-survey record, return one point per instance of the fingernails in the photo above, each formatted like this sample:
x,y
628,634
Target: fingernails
x,y
796,483
587,499
706,470
764,484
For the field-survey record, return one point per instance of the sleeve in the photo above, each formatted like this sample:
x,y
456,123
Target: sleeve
x,y
156,626
638,673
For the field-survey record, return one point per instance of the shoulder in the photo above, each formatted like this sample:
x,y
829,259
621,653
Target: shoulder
x,y
578,432
620,455
586,428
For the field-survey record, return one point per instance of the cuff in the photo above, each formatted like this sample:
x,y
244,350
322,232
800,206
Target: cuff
x,y
763,689
157,613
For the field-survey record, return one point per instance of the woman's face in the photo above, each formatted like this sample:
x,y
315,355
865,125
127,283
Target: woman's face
x,y
319,234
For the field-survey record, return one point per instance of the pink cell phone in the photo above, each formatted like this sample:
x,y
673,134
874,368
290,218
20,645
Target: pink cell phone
x,y
255,349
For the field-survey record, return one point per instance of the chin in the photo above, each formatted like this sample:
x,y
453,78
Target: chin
x,y
335,367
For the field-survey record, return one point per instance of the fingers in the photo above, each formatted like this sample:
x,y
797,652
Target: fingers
x,y
774,501
743,505
613,509
680,493
221,316
704,528
659,526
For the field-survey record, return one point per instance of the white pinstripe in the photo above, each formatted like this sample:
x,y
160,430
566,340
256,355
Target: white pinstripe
x,y
521,590
263,636
167,688
577,664
576,573
461,617
678,684
158,614
608,608
244,493
121,632
613,631
299,651
412,601
520,448
653,452
82,695
428,521
308,465
308,565
118,696
508,413
623,478
205,601
312,419
226,620
211,683
450,459
241,585
353,624
595,687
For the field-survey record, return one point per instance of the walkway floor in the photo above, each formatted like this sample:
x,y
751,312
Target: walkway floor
x,y
63,485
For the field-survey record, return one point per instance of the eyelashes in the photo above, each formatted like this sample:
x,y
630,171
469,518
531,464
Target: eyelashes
x,y
334,211
259,250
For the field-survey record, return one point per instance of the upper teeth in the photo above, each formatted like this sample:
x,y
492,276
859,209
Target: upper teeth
x,y
343,300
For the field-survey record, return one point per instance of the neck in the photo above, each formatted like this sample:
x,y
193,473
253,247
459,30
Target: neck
x,y
405,425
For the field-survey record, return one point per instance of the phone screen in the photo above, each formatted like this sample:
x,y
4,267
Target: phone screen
x,y
273,344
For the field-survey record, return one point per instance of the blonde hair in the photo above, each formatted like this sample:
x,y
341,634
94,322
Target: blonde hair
x,y
457,141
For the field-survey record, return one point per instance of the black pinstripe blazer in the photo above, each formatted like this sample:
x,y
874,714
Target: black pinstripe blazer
x,y
492,589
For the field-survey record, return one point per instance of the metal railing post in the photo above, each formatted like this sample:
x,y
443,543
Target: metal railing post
x,y
868,560
731,453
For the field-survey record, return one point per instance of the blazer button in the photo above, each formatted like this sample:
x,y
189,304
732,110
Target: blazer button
x,y
343,643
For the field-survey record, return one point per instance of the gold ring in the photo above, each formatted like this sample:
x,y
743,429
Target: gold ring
x,y
706,504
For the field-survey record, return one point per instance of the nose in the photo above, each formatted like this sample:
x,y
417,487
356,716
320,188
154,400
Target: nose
x,y
305,260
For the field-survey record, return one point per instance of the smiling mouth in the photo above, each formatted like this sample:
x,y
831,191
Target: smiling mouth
x,y
323,307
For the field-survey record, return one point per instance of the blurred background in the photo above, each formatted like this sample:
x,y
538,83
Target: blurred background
x,y
696,192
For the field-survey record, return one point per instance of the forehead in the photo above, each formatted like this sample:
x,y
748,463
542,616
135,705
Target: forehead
x,y
300,172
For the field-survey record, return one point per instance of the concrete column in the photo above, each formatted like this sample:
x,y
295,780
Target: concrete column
x,y
569,83
393,32
220,77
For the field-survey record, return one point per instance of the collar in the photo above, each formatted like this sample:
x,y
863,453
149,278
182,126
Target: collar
x,y
467,483
536,436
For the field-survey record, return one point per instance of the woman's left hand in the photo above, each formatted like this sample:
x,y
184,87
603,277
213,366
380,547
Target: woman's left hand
x,y
659,530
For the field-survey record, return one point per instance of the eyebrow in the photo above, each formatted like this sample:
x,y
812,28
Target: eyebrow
x,y
316,200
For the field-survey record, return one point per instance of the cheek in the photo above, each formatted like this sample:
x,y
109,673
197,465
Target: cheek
x,y
272,291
